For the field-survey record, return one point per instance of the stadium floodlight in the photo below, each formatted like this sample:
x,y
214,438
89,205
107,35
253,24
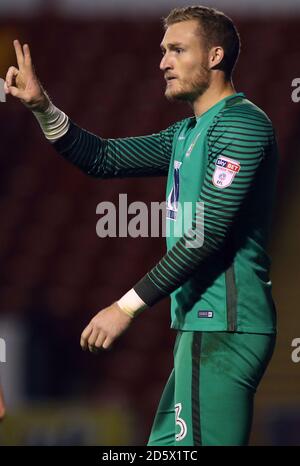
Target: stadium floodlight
x,y
2,93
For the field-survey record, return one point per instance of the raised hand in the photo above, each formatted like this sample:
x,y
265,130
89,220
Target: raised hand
x,y
22,82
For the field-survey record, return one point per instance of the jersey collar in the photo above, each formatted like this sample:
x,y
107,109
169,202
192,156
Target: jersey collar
x,y
222,103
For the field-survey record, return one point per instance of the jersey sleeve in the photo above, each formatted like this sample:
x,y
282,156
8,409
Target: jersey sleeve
x,y
247,146
124,157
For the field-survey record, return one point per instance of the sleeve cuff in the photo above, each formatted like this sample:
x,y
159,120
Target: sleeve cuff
x,y
65,142
148,292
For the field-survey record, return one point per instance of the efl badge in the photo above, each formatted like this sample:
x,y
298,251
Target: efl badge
x,y
225,171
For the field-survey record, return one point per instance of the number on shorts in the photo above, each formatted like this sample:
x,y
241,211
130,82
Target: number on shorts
x,y
180,422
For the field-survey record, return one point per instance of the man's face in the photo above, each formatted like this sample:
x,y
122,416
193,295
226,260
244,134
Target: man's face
x,y
184,62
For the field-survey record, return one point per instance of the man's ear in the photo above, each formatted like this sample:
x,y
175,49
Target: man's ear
x,y
215,57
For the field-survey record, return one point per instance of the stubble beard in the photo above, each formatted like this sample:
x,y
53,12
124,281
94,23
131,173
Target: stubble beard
x,y
192,89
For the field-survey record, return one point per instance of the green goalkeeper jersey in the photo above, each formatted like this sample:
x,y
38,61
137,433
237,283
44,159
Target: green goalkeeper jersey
x,y
221,171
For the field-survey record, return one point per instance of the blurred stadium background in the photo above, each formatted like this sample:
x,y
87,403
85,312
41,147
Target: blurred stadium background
x,y
99,62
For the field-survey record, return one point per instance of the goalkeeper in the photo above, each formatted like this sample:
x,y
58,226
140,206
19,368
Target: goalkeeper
x,y
224,156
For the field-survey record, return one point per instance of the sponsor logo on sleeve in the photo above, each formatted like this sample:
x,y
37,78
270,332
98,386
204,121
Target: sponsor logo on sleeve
x,y
225,171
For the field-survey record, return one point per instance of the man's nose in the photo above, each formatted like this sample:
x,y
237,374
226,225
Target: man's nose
x,y
164,63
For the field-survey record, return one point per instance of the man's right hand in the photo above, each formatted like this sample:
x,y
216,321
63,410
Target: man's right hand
x,y
23,83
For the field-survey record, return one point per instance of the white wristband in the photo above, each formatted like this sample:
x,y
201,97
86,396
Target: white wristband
x,y
53,122
131,303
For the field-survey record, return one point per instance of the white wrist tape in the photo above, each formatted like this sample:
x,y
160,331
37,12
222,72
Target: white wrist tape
x,y
53,122
131,303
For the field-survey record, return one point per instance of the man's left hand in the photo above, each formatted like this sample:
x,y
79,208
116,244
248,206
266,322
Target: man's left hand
x,y
104,328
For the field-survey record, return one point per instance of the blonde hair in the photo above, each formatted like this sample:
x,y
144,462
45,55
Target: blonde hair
x,y
215,28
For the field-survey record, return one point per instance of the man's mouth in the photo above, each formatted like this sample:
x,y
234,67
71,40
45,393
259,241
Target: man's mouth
x,y
170,78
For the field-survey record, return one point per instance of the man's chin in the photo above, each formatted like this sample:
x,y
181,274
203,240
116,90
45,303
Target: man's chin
x,y
177,96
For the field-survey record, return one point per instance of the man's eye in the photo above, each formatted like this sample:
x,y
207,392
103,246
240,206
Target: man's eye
x,y
178,51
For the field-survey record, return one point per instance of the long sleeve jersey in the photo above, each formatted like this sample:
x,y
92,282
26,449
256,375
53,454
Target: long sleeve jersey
x,y
223,164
